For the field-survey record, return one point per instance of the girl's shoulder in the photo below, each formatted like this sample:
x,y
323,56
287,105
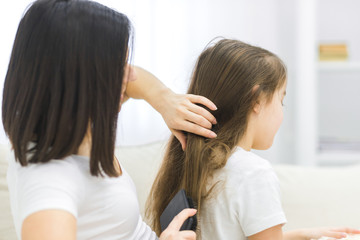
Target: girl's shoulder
x,y
245,169
247,161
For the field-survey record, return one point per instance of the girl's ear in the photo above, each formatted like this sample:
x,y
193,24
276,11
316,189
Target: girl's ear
x,y
257,104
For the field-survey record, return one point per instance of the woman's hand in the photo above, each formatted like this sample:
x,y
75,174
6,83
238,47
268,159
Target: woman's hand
x,y
316,233
172,231
181,113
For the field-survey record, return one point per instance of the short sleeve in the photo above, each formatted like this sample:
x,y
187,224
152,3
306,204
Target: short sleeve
x,y
259,202
47,186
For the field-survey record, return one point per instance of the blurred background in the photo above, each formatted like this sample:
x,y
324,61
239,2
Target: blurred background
x,y
319,40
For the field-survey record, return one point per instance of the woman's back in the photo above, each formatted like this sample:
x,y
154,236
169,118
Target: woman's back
x,y
104,207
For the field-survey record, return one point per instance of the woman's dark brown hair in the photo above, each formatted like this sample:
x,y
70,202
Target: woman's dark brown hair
x,y
233,75
64,77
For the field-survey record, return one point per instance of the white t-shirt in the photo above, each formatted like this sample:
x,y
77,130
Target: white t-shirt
x,y
246,200
105,208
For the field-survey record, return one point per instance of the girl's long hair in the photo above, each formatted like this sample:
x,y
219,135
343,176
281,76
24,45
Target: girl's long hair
x,y
233,75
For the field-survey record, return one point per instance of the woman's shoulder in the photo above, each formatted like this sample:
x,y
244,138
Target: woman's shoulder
x,y
57,171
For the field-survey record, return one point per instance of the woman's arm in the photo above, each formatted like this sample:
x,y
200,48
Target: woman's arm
x,y
49,225
180,112
61,225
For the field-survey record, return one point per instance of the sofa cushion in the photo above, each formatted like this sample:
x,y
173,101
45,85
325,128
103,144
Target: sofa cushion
x,y
320,196
7,229
142,163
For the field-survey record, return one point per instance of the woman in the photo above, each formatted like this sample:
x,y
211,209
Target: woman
x,y
63,90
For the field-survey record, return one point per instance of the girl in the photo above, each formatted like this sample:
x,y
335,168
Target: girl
x,y
65,84
236,192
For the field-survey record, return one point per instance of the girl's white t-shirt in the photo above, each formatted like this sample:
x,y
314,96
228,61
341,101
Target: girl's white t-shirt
x,y
105,208
245,200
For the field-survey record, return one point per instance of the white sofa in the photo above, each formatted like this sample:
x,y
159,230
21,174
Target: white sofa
x,y
312,197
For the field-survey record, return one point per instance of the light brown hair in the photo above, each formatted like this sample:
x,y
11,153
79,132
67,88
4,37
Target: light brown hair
x,y
233,75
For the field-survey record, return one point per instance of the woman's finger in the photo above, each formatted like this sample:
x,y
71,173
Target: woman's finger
x,y
198,119
202,100
196,129
187,234
179,219
181,137
202,112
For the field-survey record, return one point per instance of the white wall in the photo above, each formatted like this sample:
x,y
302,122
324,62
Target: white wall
x,y
169,35
10,14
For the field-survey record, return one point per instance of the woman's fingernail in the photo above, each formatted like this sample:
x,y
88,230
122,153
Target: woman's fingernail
x,y
214,121
213,135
